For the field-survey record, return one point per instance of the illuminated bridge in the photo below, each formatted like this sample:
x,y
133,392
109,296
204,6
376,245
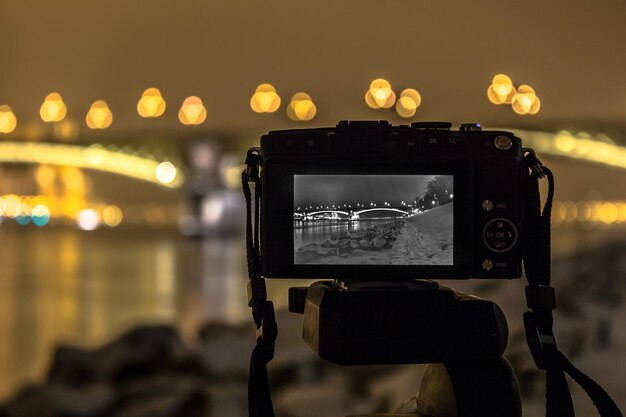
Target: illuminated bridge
x,y
349,214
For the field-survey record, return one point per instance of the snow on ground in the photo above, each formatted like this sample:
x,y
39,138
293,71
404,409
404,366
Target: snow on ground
x,y
426,238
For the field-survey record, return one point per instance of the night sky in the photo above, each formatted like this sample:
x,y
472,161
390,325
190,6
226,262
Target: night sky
x,y
315,190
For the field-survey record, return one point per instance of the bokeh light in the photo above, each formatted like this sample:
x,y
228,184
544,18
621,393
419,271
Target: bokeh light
x,y
265,99
112,215
192,111
380,94
165,172
522,99
501,90
301,108
590,212
151,103
8,121
525,100
99,115
25,209
409,101
53,108
40,215
88,219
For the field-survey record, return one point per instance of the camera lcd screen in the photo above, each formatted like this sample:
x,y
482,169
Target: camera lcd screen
x,y
373,219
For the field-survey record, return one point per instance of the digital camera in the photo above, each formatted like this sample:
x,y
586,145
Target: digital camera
x,y
370,201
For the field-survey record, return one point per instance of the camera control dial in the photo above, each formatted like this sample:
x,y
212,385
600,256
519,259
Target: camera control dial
x,y
500,235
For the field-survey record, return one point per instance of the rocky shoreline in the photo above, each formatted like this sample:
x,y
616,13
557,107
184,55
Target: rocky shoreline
x,y
344,244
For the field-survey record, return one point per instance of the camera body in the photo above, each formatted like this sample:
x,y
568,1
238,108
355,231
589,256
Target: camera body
x,y
371,201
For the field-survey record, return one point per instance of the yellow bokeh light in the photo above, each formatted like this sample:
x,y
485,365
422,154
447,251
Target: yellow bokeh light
x,y
501,90
521,103
558,212
607,213
232,177
265,99
621,214
151,103
192,111
8,121
301,108
265,88
565,142
412,94
369,100
112,216
527,90
99,115
571,211
381,93
501,94
409,101
53,108
525,101
12,205
501,79
391,100
535,107
584,211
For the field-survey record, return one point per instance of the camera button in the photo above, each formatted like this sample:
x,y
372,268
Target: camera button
x,y
289,143
470,127
504,143
455,141
487,264
487,205
500,235
434,141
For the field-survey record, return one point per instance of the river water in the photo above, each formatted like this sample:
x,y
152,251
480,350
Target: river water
x,y
320,230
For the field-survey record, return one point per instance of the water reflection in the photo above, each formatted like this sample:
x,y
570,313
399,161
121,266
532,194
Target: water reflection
x,y
320,230
66,286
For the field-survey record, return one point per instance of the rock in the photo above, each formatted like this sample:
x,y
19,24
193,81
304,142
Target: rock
x,y
225,349
172,403
309,247
141,350
358,234
326,251
379,242
303,257
60,401
340,235
70,366
344,249
327,244
366,244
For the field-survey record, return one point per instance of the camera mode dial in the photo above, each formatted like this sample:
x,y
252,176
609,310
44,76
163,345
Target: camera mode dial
x,y
500,235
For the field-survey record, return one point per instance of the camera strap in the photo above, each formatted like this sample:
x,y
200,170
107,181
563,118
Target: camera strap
x,y
259,396
541,299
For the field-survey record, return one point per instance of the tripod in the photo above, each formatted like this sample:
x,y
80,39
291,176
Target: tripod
x,y
461,337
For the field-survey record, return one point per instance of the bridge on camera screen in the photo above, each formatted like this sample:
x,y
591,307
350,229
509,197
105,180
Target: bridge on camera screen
x,y
353,214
